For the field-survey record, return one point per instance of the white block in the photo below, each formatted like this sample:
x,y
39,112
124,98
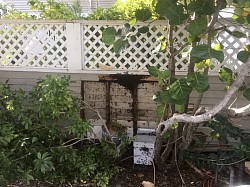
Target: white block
x,y
144,149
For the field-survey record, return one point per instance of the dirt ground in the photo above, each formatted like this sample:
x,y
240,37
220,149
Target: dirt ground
x,y
131,175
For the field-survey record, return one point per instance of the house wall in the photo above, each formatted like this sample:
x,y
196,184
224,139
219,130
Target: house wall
x,y
120,97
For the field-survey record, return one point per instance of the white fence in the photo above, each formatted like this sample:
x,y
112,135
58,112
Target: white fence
x,y
43,45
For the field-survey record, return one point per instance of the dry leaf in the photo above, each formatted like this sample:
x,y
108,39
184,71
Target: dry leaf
x,y
140,175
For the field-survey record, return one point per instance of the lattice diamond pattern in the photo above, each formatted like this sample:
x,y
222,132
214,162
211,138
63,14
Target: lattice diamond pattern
x,y
136,57
232,46
35,45
45,45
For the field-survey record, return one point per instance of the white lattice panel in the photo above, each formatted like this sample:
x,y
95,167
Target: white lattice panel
x,y
33,45
44,44
231,45
136,57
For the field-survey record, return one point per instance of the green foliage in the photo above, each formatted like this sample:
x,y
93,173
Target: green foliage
x,y
222,129
4,8
243,56
202,7
119,38
196,17
56,10
126,10
226,75
35,138
49,10
172,11
246,94
204,52
199,81
197,27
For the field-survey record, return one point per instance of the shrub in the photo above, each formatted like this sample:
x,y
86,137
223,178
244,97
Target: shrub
x,y
123,10
35,142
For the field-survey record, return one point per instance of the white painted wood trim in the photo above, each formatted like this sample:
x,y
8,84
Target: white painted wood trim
x,y
74,46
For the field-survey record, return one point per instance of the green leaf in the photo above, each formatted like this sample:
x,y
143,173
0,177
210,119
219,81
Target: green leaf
x,y
175,126
243,56
204,52
160,110
153,71
199,81
133,38
226,75
164,75
238,34
197,27
132,22
180,108
164,97
108,35
120,45
162,6
143,29
246,94
218,47
179,89
242,88
143,14
176,15
202,7
240,20
248,18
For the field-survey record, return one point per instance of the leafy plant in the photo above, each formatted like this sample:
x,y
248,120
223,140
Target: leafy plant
x,y
199,18
36,137
49,10
123,10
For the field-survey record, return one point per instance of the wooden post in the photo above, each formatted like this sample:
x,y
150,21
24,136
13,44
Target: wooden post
x,y
74,46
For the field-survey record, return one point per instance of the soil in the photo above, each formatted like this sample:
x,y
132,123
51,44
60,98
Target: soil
x,y
131,175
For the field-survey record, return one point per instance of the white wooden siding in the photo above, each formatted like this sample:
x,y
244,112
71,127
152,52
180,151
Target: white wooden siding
x,y
87,5
121,101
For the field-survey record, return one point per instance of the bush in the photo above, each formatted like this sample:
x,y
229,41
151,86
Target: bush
x,y
35,142
123,10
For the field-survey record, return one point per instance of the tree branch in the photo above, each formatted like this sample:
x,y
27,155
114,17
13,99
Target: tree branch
x,y
215,16
164,126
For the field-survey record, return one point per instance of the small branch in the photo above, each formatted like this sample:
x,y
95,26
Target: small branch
x,y
176,163
100,117
238,112
215,16
180,49
195,168
232,163
234,101
154,171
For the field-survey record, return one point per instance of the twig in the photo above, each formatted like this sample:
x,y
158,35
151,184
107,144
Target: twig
x,y
234,101
232,163
175,155
201,173
154,171
173,141
91,108
78,140
125,159
70,141
180,49
195,168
